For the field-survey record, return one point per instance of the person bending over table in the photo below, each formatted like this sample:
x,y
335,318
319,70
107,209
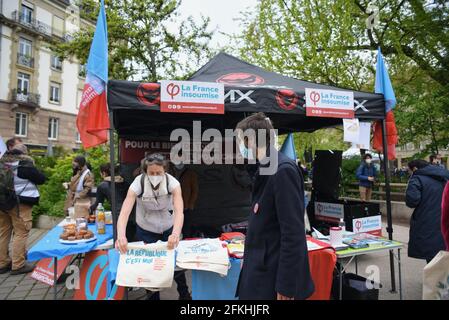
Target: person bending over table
x,y
159,212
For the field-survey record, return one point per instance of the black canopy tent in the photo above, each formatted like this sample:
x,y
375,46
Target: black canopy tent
x,y
135,112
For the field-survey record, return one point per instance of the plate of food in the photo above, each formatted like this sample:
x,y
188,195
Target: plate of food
x,y
73,236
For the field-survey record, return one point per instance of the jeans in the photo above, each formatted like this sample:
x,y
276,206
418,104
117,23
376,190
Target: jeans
x,y
150,237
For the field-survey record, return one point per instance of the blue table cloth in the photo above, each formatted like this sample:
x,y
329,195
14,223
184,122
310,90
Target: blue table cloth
x,y
211,286
114,258
50,247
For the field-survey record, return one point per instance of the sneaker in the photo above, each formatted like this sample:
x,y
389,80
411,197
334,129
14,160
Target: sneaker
x,y
5,269
27,268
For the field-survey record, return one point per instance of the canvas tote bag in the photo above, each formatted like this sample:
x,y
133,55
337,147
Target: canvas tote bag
x,y
146,266
436,278
203,254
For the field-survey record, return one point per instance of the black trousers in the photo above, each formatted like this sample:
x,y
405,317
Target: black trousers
x,y
150,237
187,231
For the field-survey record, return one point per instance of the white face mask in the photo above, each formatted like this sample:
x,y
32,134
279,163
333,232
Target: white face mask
x,y
155,180
368,161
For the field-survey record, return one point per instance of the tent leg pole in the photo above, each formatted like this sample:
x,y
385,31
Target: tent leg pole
x,y
388,202
112,168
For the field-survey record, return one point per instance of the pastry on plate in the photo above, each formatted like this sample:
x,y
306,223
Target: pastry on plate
x,y
71,238
64,236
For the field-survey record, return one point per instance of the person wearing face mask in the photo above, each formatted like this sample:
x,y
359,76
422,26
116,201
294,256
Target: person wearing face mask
x,y
276,264
159,212
189,186
80,184
366,174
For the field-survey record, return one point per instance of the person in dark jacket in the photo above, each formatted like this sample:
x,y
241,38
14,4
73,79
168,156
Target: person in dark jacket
x,y
17,222
104,193
366,174
445,216
424,194
276,264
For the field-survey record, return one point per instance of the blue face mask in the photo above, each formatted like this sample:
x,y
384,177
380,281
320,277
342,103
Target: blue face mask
x,y
245,152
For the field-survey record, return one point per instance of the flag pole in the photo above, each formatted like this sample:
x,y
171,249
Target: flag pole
x,y
388,202
112,168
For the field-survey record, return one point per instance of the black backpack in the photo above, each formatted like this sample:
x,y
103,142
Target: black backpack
x,y
8,197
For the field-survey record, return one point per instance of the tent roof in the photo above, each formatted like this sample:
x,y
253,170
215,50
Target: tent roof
x,y
248,89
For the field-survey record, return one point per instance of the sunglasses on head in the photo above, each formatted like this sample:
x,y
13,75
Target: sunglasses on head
x,y
155,157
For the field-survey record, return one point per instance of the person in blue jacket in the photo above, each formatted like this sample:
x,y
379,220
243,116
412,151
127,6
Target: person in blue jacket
x,y
276,264
424,194
366,174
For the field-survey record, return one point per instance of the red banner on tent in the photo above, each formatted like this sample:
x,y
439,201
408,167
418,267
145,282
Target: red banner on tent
x,y
45,269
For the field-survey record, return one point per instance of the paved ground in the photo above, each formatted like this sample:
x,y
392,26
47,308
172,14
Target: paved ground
x,y
23,287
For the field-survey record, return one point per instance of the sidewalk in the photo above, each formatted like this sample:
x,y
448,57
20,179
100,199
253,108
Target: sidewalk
x,y
22,287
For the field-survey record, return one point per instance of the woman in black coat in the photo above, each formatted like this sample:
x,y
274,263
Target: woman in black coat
x,y
276,264
424,194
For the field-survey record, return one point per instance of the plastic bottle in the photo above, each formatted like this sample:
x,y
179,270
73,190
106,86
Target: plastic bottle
x,y
101,220
342,225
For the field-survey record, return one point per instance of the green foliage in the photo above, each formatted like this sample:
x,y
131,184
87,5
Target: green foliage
x,y
348,171
327,41
141,46
59,170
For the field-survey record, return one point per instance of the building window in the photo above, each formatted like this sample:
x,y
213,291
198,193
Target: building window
x,y
21,124
27,14
25,46
78,137
55,92
23,83
53,126
56,62
24,56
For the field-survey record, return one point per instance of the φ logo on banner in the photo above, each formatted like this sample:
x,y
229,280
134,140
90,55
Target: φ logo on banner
x,y
358,225
173,90
314,97
101,262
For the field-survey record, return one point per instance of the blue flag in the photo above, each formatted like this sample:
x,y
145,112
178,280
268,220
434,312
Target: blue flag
x,y
288,147
383,83
97,63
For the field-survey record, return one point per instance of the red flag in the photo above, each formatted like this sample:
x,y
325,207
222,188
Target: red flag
x,y
93,117
391,133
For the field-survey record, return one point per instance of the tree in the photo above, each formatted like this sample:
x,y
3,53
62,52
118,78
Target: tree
x,y
141,43
331,41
